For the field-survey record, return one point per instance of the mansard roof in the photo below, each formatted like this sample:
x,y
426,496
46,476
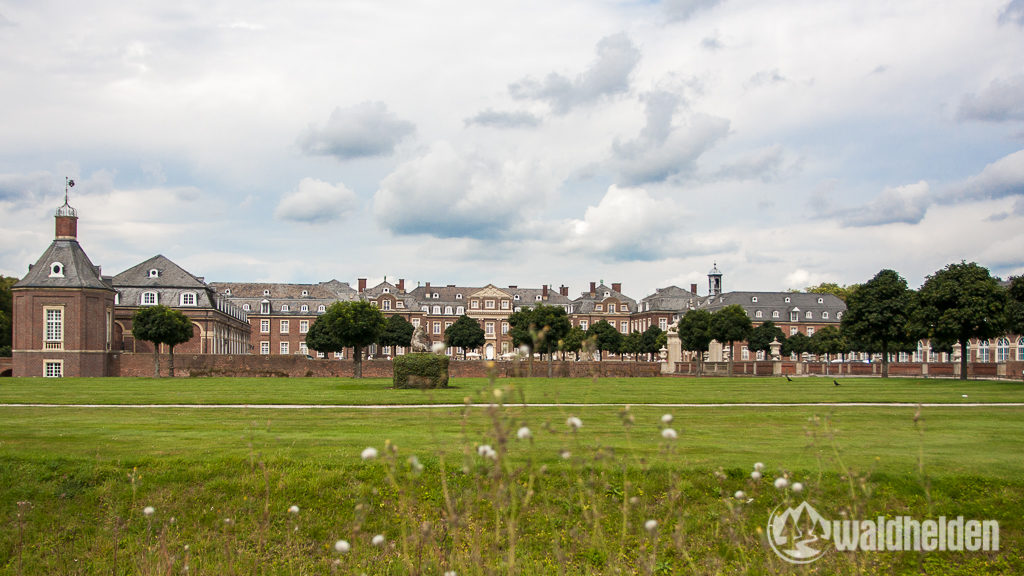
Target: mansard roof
x,y
585,303
668,299
781,301
168,274
331,290
75,269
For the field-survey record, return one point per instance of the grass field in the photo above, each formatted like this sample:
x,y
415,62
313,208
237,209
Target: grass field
x,y
74,481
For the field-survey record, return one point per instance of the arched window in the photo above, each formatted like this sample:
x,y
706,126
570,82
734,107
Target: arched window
x,y
460,310
321,309
245,307
1020,348
1002,350
56,270
809,315
154,273
149,299
448,310
285,308
775,314
437,309
758,314
304,308
983,348
824,315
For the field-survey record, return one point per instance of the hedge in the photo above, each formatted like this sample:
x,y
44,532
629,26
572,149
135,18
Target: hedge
x,y
421,370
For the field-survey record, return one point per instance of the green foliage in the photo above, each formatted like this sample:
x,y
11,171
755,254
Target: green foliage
x,y
347,325
632,343
540,327
762,336
397,332
960,302
652,341
420,371
1015,306
694,330
878,317
465,333
5,351
6,309
730,324
796,344
161,325
606,337
829,340
573,341
841,292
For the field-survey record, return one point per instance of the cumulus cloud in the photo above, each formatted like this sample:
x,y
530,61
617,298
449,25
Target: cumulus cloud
x,y
663,149
1000,179
446,194
608,75
902,204
361,131
1002,100
685,9
767,164
316,202
496,119
766,78
627,224
21,188
1014,12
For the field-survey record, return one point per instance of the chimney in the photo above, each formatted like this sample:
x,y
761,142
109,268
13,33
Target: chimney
x,y
426,288
362,285
564,290
511,287
593,288
401,285
544,292
617,286
693,288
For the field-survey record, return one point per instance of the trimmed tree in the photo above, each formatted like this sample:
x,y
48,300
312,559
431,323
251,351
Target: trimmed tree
x,y
633,343
878,317
730,325
6,312
465,333
827,341
652,341
573,341
161,325
606,337
541,328
694,330
1015,306
960,302
761,337
397,332
797,344
347,325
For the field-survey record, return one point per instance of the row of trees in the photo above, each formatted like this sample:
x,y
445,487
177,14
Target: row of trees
x,y
6,314
959,303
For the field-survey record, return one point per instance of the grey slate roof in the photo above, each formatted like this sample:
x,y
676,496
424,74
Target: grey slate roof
x,y
768,302
278,295
77,270
170,283
585,303
668,299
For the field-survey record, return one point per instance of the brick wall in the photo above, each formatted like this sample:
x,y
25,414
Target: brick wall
x,y
6,363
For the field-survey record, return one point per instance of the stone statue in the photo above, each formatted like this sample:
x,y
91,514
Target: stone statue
x,y
420,342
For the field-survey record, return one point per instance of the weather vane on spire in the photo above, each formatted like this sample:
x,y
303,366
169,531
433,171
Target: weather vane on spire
x,y
68,183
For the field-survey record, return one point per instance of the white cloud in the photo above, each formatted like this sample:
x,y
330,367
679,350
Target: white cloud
x,y
1000,101
627,224
899,205
609,75
1004,177
497,119
316,202
450,194
685,9
361,131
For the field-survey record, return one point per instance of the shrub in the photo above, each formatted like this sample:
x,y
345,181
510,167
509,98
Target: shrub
x,y
421,371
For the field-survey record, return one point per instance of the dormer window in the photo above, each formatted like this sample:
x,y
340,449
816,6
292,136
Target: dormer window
x,y
839,316
188,299
611,308
458,296
757,314
266,292
515,297
154,273
435,296
149,299
285,308
599,307
437,310
808,315
448,310
387,290
824,315
607,294
245,307
304,308
537,297
56,270
787,299
305,293
227,291
775,314
753,299
460,310
265,307
321,309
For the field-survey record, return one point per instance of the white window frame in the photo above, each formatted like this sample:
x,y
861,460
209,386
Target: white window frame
x,y
460,310
488,304
53,368
285,326
154,273
599,307
285,308
758,314
775,314
56,270
321,309
53,327
448,310
385,305
303,326
149,298
489,328
265,326
474,305
284,348
437,310
189,299
437,327
264,348
505,304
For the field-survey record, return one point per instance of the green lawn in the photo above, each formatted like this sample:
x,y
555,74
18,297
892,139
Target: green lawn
x,y
533,390
560,502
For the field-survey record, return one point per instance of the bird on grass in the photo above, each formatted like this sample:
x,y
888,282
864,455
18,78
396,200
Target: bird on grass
x,y
788,379
836,382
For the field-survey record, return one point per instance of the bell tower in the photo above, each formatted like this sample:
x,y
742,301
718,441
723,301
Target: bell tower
x,y
63,309
715,281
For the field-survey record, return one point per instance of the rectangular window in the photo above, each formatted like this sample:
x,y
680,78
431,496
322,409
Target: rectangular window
x,y
810,331
148,298
624,327
303,349
265,348
792,330
504,327
437,327
489,328
385,305
415,322
338,355
54,328
663,324
53,368
303,326
745,353
599,307
475,304
583,325
188,299
264,326
284,348
321,355
285,326
505,304
794,316
611,307
448,325
489,304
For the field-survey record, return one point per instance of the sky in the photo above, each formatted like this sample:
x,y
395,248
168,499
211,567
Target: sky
x,y
518,142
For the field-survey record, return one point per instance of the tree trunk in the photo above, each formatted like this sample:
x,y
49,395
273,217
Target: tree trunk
x,y
156,360
170,363
357,361
885,361
730,359
963,359
551,361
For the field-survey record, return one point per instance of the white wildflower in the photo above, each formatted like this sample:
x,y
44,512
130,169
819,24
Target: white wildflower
x,y
740,495
669,434
486,451
293,509
650,525
148,510
781,483
758,466
369,453
755,475
574,422
378,540
798,487
342,546
415,464
450,573
437,347
565,454
666,418
523,433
